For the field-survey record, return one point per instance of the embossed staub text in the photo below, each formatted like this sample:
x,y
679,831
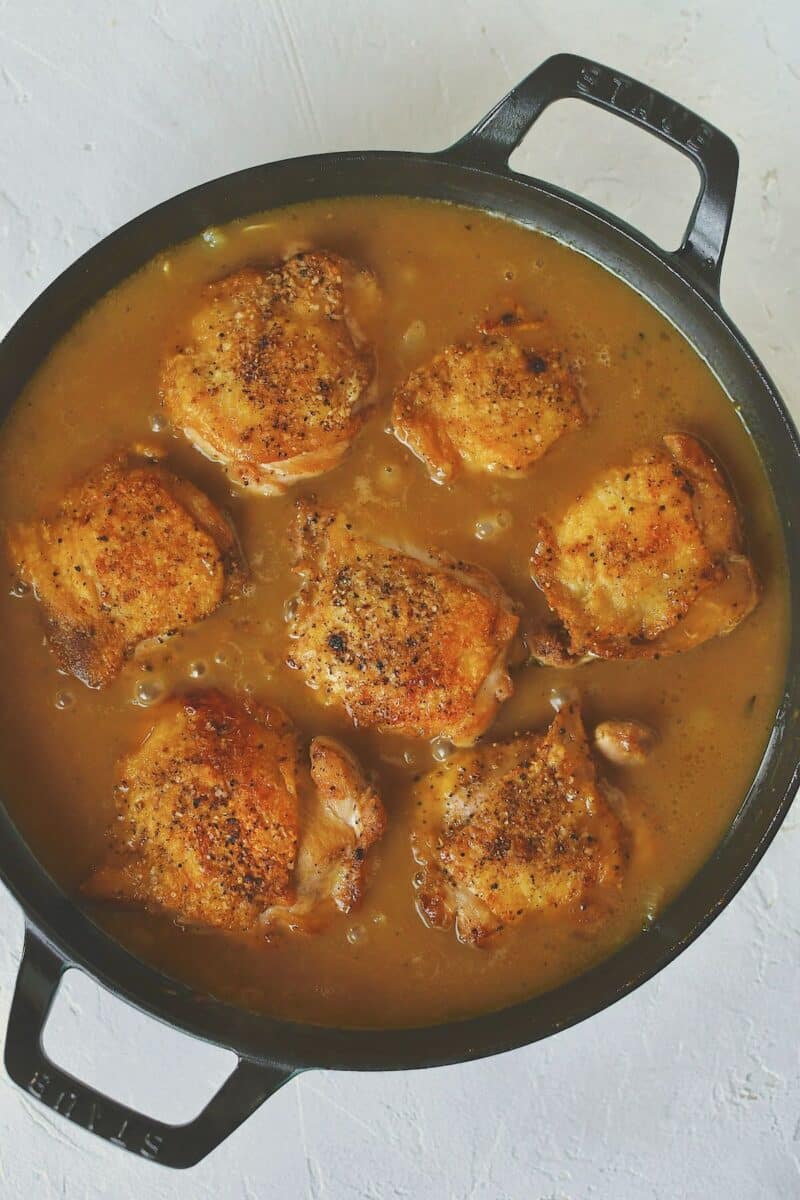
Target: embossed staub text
x,y
82,1108
651,108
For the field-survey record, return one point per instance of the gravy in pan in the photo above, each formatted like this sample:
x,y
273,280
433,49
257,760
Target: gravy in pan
x,y
442,269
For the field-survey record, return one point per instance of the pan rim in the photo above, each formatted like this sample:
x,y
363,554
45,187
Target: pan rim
x,y
57,918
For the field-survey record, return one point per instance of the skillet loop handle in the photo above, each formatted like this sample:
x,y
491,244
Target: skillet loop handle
x,y
568,76
248,1085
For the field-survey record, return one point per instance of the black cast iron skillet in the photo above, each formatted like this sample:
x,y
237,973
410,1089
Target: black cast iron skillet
x,y
685,287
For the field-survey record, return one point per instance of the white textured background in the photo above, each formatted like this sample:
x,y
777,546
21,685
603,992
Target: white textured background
x,y
687,1089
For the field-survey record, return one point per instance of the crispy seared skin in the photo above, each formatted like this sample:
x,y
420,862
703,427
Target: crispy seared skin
x,y
489,405
215,829
272,383
133,552
410,643
649,561
209,820
511,828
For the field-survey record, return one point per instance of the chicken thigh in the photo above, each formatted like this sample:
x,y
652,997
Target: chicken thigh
x,y
490,405
412,643
344,818
219,824
132,552
273,382
512,828
648,561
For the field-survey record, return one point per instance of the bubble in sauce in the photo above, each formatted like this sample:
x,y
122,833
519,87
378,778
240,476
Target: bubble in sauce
x,y
213,237
561,696
290,609
157,422
197,669
493,525
19,589
64,700
228,655
355,934
148,694
441,749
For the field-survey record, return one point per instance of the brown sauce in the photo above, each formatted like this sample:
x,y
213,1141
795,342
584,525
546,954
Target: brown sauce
x,y
442,269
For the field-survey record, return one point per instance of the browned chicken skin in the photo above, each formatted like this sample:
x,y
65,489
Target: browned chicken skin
x,y
133,552
511,828
209,814
491,405
218,825
273,383
413,644
649,561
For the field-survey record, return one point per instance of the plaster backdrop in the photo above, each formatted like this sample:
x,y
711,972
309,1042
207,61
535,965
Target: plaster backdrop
x,y
689,1088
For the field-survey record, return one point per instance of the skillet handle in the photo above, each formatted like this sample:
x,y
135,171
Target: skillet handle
x,y
248,1085
568,76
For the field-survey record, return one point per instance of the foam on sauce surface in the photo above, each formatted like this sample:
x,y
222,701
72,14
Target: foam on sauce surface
x,y
442,270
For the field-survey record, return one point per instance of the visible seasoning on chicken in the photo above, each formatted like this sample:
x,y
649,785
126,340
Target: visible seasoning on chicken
x,y
647,562
512,828
413,643
273,382
492,405
221,825
208,814
132,553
